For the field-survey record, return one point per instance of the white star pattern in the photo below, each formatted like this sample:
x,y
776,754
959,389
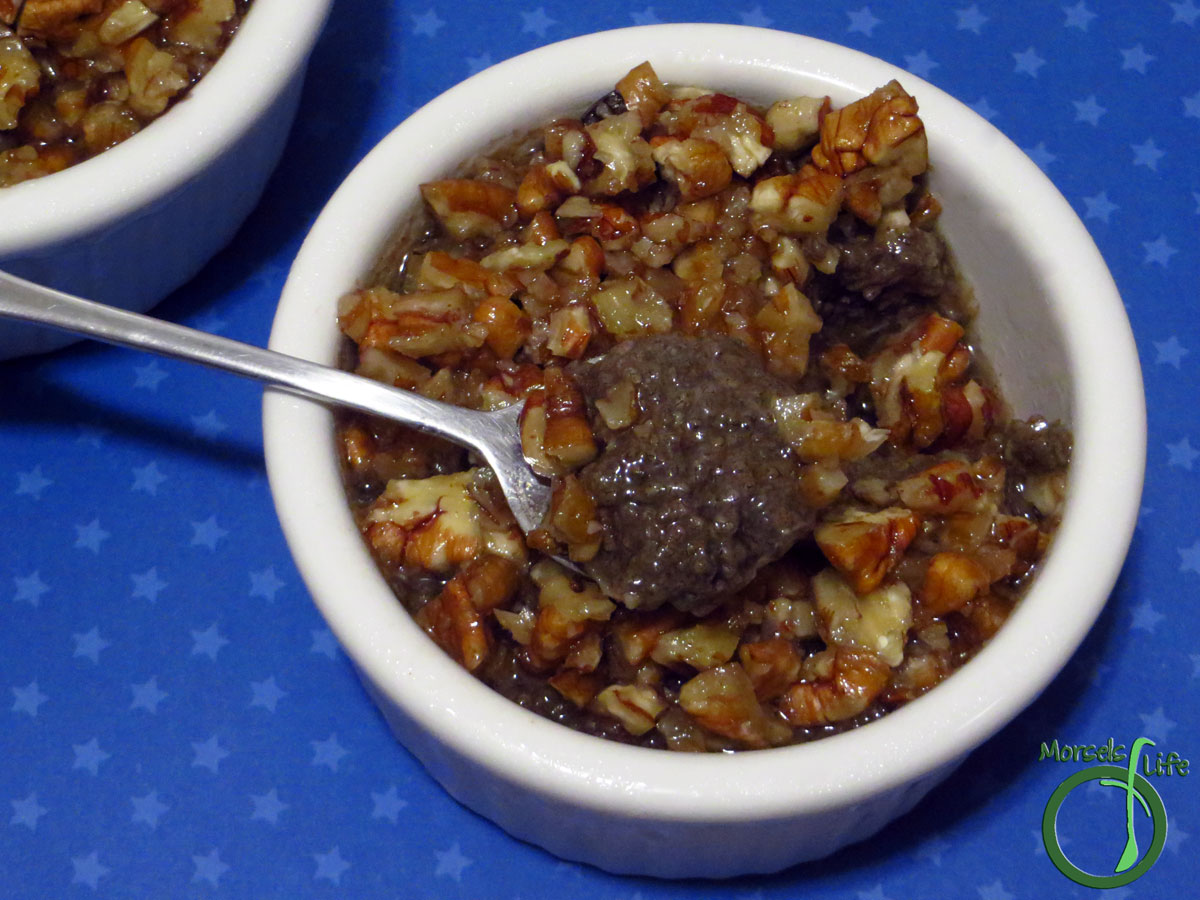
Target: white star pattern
x,y
1185,12
147,696
932,850
208,425
451,863
89,756
646,17
328,752
208,642
1175,834
970,19
89,644
148,478
1191,105
983,108
32,483
1156,724
88,870
428,23
1145,618
209,867
207,533
268,806
148,809
1028,62
994,891
1040,155
1158,251
1135,59
27,699
330,866
266,694
1147,154
1181,454
148,585
387,805
876,893
1189,558
27,812
862,21
920,64
537,22
1170,352
1099,207
210,322
30,589
90,536
478,63
1088,110
1078,16
92,435
756,18
370,70
148,376
265,584
208,754
323,642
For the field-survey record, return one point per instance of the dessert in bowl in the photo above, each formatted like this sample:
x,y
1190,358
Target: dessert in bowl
x,y
128,224
723,813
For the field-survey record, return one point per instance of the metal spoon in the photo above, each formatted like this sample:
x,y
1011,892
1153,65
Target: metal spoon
x,y
494,435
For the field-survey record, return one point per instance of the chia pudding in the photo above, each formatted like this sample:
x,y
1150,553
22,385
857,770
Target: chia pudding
x,y
704,470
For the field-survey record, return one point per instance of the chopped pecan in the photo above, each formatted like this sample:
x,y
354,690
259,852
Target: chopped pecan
x,y
953,486
571,330
417,325
951,582
629,307
624,156
508,326
468,208
877,622
796,122
803,203
697,166
722,699
564,613
643,93
787,322
435,524
635,706
865,547
43,17
855,679
455,618
700,646
773,665
20,77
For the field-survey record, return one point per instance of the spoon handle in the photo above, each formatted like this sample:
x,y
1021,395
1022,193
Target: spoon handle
x,y
20,299
494,435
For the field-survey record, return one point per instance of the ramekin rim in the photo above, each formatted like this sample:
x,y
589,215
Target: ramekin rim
x,y
270,47
556,770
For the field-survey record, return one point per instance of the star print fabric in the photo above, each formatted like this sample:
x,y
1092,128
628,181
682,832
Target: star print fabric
x,y
177,721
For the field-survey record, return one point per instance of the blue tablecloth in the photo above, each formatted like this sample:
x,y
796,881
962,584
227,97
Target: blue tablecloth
x,y
176,720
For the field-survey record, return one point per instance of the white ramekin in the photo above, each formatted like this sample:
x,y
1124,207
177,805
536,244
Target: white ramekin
x,y
1051,322
130,225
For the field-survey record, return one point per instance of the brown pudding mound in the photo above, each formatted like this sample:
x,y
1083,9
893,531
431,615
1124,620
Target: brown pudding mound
x,y
704,471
